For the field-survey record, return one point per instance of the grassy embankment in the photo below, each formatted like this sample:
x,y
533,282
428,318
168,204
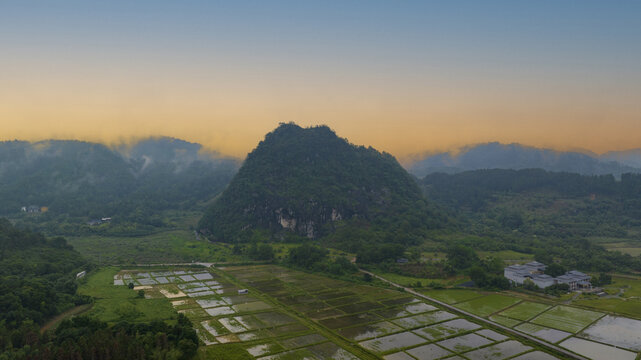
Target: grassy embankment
x,y
116,303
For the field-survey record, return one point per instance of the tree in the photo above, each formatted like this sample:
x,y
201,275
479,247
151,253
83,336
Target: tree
x,y
555,270
306,255
460,257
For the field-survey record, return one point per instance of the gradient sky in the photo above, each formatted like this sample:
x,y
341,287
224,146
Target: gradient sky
x,y
403,76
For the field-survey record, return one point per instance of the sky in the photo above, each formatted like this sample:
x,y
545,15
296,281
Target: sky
x,y
406,77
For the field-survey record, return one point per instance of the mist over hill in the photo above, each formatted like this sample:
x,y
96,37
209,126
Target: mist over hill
x,y
515,156
75,181
308,182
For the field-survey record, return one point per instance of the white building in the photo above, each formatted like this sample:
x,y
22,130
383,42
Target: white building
x,y
534,271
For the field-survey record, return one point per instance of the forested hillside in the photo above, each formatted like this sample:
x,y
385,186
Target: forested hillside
x,y
38,281
308,182
548,213
61,186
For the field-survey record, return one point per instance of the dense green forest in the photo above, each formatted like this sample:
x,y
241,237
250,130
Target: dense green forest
x,y
38,281
308,182
544,213
79,182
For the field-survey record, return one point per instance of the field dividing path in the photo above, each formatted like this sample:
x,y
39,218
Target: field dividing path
x,y
483,320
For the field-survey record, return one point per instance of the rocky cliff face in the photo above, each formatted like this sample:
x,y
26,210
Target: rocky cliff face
x,y
305,181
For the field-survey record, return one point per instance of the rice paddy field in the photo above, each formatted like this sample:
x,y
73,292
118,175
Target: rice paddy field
x,y
373,323
590,333
288,314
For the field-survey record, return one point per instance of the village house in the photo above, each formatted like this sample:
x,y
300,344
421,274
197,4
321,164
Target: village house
x,y
534,272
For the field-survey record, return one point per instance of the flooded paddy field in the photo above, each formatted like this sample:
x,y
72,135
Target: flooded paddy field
x,y
594,350
289,314
618,331
567,318
568,326
383,322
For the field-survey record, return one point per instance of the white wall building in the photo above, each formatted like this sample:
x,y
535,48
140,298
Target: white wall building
x,y
534,271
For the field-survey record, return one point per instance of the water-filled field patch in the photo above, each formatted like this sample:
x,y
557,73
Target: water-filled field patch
x,y
349,320
544,333
423,319
238,299
525,310
252,306
464,342
399,356
400,301
446,329
491,334
499,351
221,310
264,349
290,355
360,307
615,330
428,352
595,350
274,318
210,303
567,318
187,278
484,306
392,313
332,351
254,335
343,301
201,294
535,355
233,325
289,329
417,308
203,276
303,340
364,332
392,342
323,314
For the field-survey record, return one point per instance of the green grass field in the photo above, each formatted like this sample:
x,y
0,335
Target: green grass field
x,y
487,305
631,286
631,308
504,321
163,247
567,318
116,303
452,296
507,255
525,310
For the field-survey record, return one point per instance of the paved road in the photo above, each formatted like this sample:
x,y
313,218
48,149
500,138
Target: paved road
x,y
483,320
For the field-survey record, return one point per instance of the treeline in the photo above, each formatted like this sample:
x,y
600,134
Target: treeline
x,y
37,276
532,210
86,338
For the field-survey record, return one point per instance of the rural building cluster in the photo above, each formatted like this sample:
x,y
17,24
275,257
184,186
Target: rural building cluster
x,y
535,272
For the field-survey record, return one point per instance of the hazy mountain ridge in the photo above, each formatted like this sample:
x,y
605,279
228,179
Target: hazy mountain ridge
x,y
83,180
515,156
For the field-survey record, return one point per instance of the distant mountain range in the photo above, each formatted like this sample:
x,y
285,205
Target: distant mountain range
x,y
76,181
515,156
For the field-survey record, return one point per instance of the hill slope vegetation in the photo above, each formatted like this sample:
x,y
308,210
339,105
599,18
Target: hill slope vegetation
x,y
308,182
